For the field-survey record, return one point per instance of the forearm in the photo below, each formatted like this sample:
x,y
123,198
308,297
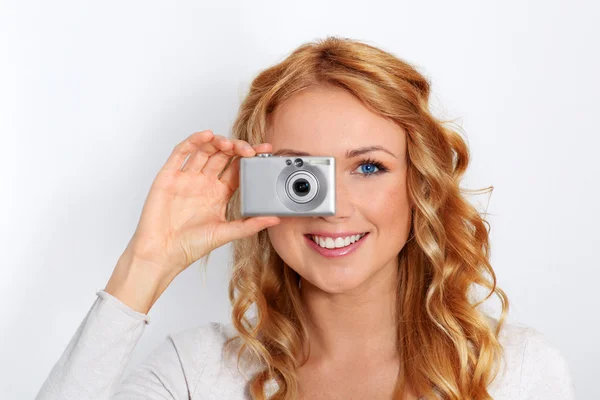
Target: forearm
x,y
95,357
137,283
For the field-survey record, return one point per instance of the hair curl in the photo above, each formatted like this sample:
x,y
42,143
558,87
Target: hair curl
x,y
447,347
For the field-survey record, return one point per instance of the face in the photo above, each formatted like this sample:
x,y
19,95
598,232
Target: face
x,y
371,191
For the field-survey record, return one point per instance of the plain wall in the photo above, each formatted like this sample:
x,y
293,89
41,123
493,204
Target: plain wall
x,y
95,95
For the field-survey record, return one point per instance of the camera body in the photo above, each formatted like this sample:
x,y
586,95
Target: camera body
x,y
287,185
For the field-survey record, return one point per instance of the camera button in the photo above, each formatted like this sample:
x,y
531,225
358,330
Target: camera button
x,y
264,155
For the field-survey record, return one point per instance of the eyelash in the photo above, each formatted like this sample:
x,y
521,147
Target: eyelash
x,y
380,167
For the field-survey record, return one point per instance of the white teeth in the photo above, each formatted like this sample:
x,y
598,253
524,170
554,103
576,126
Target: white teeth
x,y
330,243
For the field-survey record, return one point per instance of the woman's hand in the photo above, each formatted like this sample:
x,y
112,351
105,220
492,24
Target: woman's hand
x,y
183,217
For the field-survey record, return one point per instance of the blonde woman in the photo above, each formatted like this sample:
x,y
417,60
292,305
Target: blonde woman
x,y
375,302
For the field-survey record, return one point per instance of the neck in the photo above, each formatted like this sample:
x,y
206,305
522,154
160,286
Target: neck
x,y
354,324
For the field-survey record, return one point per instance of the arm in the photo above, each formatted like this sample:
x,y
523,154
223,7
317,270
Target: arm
x,y
545,373
93,362
182,220
160,376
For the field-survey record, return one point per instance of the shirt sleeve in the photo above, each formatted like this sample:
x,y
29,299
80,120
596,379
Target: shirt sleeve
x,y
545,373
92,364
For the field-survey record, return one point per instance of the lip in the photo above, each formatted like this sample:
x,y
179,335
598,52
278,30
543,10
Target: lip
x,y
334,235
334,253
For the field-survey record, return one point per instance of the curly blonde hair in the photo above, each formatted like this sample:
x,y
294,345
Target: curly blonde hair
x,y
447,347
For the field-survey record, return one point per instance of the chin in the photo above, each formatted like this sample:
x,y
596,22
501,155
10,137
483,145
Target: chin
x,y
336,282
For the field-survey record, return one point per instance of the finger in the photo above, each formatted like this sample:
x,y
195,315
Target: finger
x,y
218,161
187,146
239,148
231,176
242,228
198,160
263,148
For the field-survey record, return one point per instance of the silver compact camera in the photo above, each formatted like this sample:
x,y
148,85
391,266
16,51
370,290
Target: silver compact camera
x,y
287,186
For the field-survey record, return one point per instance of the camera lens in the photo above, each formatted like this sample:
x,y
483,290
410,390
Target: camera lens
x,y
301,187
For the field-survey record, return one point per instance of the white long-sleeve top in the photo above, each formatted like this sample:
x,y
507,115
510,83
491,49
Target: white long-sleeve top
x,y
191,364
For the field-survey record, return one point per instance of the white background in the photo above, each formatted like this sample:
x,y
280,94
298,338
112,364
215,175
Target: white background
x,y
94,95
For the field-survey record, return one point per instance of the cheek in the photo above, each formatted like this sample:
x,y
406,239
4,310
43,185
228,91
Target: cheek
x,y
276,236
388,208
283,235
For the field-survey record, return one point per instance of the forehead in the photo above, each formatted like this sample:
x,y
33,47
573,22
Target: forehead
x,y
325,120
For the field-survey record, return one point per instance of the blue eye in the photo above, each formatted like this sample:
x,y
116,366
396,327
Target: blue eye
x,y
368,168
371,167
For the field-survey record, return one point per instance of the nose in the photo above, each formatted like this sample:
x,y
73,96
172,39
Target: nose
x,y
344,204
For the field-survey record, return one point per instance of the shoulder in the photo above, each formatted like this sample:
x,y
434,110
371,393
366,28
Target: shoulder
x,y
209,363
533,367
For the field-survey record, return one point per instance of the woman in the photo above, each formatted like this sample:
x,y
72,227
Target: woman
x,y
374,302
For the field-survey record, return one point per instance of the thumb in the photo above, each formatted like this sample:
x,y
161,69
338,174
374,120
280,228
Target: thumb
x,y
242,228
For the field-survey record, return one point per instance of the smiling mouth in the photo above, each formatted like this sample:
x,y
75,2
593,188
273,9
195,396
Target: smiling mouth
x,y
336,243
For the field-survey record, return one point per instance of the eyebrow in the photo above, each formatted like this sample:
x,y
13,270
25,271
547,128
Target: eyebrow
x,y
349,153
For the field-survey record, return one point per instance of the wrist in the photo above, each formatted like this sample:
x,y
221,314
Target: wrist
x,y
137,283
